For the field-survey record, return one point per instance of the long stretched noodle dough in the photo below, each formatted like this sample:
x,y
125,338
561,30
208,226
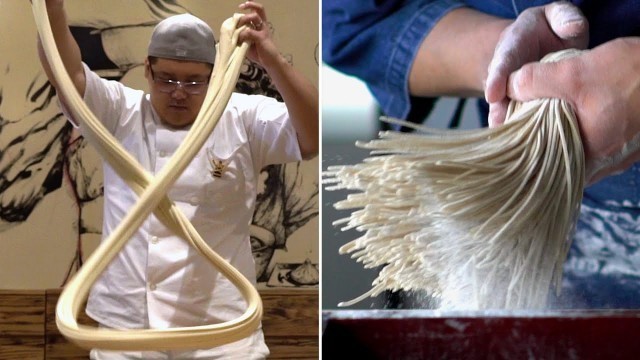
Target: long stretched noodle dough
x,y
229,58
479,219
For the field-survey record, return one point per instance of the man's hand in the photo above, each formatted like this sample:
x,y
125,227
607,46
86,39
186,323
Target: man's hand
x,y
603,87
258,33
535,33
300,96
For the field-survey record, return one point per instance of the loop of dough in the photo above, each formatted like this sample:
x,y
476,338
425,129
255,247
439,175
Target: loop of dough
x,y
152,192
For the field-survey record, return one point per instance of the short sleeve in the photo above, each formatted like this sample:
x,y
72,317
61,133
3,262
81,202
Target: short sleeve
x,y
108,100
271,135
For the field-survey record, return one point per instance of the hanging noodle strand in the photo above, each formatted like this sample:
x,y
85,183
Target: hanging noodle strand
x,y
151,191
479,219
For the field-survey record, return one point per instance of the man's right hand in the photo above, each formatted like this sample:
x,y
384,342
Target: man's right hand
x,y
537,32
603,87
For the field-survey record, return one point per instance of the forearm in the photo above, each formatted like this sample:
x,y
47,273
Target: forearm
x,y
67,47
454,57
301,98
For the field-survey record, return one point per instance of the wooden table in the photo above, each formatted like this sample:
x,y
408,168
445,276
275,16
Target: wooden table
x,y
28,330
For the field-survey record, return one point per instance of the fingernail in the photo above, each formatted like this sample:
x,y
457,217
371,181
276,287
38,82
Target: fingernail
x,y
567,13
572,20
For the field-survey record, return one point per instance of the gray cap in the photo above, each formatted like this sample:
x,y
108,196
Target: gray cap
x,y
183,37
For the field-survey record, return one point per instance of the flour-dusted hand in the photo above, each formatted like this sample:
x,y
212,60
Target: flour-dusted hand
x,y
535,33
603,86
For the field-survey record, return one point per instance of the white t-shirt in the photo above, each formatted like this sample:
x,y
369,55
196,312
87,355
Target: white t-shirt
x,y
158,280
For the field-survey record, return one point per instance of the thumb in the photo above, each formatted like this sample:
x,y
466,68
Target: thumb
x,y
568,23
541,80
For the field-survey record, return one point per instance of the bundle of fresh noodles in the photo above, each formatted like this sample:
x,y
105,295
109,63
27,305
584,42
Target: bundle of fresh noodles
x,y
480,219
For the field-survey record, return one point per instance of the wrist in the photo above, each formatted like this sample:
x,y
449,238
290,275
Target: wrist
x,y
274,63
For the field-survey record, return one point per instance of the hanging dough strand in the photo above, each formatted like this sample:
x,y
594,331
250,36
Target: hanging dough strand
x,y
152,190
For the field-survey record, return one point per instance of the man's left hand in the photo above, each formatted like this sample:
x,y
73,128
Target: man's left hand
x,y
258,33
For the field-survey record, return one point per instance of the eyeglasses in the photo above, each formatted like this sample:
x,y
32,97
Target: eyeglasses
x,y
169,86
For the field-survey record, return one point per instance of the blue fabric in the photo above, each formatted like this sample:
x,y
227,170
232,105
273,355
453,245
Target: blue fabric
x,y
377,42
603,266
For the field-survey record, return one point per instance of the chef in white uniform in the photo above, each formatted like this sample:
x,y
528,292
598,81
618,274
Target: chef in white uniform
x,y
158,280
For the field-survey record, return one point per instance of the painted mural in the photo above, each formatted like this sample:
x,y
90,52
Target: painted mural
x,y
51,178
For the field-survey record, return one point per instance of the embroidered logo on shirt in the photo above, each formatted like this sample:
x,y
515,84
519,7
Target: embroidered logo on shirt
x,y
217,166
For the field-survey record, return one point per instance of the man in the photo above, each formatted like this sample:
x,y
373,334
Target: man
x,y
157,280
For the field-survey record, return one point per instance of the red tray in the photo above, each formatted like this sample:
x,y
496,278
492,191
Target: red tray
x,y
431,334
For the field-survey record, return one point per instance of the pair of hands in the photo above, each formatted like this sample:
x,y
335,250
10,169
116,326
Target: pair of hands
x,y
258,32
263,51
602,85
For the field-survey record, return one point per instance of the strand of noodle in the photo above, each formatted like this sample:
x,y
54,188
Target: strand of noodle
x,y
152,198
479,218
